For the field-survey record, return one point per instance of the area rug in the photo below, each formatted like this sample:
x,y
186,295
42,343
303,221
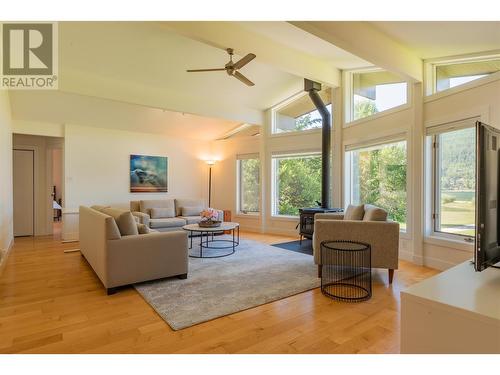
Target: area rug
x,y
256,274
305,247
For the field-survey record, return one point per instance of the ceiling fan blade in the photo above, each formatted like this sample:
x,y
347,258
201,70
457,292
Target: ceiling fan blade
x,y
205,70
243,79
245,60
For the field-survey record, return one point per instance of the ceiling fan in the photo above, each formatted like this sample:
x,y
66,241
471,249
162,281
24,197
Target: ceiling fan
x,y
232,68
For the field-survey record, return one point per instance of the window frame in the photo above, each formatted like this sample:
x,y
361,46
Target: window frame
x,y
433,163
430,70
239,184
348,82
275,182
348,175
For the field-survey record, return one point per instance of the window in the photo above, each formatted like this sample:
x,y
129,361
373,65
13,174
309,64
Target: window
x,y
376,91
297,183
452,74
454,159
248,184
378,177
300,114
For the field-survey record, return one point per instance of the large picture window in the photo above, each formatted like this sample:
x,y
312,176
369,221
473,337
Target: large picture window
x,y
378,177
376,91
248,184
300,114
454,159
297,183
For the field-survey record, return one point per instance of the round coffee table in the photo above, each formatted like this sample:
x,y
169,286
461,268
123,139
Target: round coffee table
x,y
207,240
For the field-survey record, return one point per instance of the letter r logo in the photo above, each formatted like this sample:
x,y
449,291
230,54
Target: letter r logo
x,y
27,49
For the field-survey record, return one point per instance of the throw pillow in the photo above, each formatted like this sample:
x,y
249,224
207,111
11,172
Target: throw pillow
x,y
161,213
191,211
354,212
143,229
374,213
124,219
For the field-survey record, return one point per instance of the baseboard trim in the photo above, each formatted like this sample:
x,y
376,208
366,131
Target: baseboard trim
x,y
5,255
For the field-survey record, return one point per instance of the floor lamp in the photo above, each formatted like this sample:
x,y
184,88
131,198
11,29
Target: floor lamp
x,y
210,165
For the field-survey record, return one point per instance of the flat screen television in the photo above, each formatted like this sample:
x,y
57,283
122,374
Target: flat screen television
x,y
487,244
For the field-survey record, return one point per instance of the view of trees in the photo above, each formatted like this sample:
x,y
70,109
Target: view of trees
x,y
249,185
363,107
379,178
298,183
311,120
458,157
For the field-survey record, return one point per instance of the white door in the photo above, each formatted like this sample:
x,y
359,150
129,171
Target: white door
x,y
23,170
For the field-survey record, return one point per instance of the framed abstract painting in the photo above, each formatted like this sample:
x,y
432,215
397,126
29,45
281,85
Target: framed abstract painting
x,y
148,174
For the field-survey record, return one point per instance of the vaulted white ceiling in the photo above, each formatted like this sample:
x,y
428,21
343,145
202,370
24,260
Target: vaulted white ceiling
x,y
132,75
444,38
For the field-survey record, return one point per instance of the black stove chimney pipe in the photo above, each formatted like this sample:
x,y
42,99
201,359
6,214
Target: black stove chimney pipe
x,y
312,88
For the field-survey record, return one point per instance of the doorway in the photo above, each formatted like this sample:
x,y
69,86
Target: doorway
x,y
38,185
24,192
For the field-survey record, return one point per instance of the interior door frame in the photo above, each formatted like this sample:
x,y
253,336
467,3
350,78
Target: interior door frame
x,y
33,159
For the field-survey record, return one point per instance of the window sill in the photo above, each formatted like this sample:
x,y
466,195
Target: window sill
x,y
241,215
284,218
295,133
449,242
378,115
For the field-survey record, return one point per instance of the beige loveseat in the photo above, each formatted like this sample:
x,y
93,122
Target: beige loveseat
x,y
364,223
169,214
110,242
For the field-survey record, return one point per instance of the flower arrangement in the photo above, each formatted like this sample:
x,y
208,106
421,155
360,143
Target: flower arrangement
x,y
209,218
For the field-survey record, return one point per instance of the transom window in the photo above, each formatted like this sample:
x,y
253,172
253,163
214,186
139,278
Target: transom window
x,y
296,183
377,175
248,167
376,91
299,113
447,75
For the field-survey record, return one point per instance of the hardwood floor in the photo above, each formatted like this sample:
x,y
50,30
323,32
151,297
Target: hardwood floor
x,y
51,302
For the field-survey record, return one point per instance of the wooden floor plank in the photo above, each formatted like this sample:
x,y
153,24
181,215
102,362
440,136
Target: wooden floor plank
x,y
52,302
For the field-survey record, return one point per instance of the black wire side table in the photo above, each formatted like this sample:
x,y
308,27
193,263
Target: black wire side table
x,y
346,270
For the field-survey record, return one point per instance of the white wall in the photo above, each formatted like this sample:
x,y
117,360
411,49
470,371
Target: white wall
x,y
6,211
96,169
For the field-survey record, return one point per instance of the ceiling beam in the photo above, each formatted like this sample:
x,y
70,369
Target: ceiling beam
x,y
230,34
369,43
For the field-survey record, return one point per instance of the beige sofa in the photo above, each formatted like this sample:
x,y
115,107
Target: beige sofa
x,y
110,242
169,214
365,223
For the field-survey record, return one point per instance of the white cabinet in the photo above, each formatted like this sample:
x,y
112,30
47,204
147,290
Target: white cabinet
x,y
457,311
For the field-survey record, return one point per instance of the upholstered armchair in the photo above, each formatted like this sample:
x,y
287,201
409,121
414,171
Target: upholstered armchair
x,y
365,223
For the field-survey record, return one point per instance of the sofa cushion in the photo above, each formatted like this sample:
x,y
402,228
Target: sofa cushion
x,y
354,212
143,229
179,203
135,206
374,213
172,222
147,205
191,211
162,213
191,219
124,219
